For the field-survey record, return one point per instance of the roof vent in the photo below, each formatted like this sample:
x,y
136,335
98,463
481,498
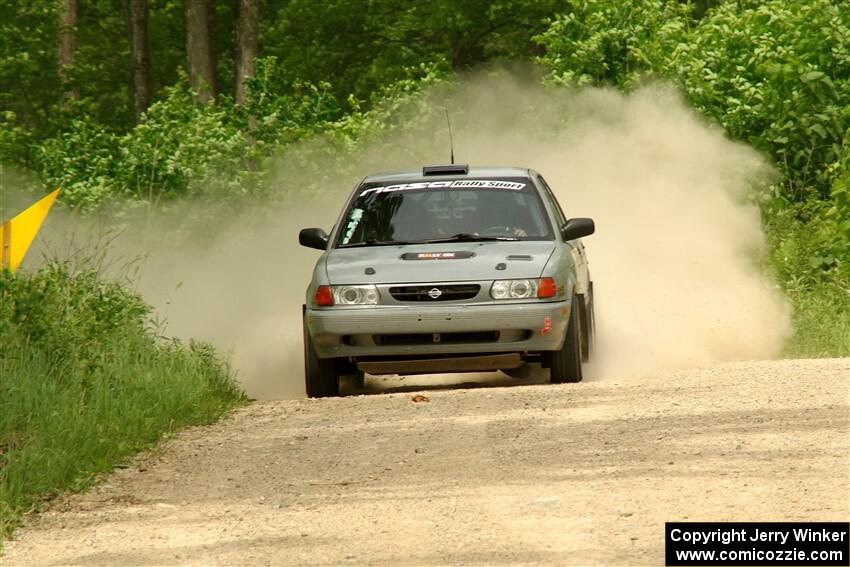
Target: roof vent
x,y
454,168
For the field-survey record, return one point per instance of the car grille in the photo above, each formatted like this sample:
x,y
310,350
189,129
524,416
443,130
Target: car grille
x,y
449,292
432,338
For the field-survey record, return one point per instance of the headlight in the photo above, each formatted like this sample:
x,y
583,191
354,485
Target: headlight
x,y
523,289
355,295
513,289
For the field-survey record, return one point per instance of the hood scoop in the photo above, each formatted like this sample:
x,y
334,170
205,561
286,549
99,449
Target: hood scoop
x,y
524,257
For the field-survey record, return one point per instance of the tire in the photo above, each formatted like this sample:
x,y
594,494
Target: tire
x,y
565,364
591,338
355,381
320,376
588,325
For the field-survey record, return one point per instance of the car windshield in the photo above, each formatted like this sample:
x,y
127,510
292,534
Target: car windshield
x,y
444,211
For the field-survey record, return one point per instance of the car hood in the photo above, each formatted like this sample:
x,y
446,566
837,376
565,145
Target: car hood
x,y
422,263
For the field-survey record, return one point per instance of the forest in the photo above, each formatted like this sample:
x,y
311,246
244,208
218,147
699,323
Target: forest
x,y
134,100
131,103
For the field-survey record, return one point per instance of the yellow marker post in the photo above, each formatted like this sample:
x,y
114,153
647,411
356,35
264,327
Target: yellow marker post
x,y
17,235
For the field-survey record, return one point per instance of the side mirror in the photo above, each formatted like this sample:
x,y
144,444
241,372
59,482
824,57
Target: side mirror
x,y
578,227
313,238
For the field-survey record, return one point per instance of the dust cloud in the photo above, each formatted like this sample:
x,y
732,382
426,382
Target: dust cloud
x,y
674,259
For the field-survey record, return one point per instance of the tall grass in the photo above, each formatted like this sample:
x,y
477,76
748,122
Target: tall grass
x,y
809,258
85,382
821,323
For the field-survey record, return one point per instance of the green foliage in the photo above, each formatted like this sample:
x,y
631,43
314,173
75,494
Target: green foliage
x,y
178,142
400,100
102,84
808,249
365,49
607,42
182,148
338,46
821,320
32,104
27,54
66,315
177,149
839,211
14,140
775,74
277,112
811,260
85,382
810,257
81,160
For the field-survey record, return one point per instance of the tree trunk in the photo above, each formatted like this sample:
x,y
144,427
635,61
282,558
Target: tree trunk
x,y
246,44
67,43
141,56
199,48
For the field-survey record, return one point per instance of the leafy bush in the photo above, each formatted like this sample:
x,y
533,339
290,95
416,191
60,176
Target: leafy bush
x,y
615,43
811,261
182,148
279,112
85,382
810,256
81,160
775,74
179,144
839,211
25,97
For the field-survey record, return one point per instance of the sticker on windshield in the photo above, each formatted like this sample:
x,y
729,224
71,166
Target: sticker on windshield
x,y
456,184
353,221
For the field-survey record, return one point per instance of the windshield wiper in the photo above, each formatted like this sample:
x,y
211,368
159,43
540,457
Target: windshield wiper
x,y
372,242
462,237
467,237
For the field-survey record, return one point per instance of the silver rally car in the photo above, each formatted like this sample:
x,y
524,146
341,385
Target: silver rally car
x,y
448,269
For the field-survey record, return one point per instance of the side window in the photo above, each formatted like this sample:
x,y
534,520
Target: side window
x,y
553,203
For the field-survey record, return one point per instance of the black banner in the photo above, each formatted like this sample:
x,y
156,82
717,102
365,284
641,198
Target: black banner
x,y
757,543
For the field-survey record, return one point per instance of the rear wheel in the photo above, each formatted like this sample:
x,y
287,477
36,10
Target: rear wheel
x,y
565,364
320,377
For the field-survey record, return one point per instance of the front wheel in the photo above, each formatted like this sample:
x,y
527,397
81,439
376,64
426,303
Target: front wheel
x,y
565,364
588,324
320,377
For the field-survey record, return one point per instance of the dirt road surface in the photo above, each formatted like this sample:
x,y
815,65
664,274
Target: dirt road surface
x,y
573,474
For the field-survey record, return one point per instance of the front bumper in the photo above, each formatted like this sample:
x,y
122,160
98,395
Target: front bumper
x,y
437,329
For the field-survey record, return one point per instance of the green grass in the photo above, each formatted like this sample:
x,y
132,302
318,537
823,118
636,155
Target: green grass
x,y
810,258
821,319
85,382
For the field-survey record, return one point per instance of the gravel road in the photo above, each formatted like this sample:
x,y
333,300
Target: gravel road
x,y
496,474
